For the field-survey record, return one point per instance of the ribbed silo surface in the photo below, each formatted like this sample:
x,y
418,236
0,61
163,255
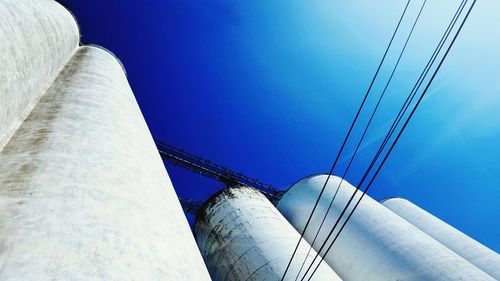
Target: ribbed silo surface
x,y
84,194
470,249
376,244
37,38
242,236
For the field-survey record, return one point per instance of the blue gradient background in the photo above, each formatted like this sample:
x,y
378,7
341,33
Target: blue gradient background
x,y
269,88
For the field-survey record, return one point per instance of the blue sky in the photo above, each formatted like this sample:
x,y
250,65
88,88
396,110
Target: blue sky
x,y
269,88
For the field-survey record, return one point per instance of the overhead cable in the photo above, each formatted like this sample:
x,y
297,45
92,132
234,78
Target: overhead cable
x,y
345,141
363,134
391,148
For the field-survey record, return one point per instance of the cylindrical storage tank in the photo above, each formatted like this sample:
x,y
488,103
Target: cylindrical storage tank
x,y
37,38
83,191
242,236
376,244
468,248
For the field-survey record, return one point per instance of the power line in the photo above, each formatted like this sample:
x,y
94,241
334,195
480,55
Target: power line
x,y
345,140
395,141
421,78
364,133
371,165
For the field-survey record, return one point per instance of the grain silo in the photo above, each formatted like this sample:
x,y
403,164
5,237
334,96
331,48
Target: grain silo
x,y
37,38
242,236
454,239
83,192
376,244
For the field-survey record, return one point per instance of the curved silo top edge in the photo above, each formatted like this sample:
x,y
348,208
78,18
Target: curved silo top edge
x,y
303,179
109,52
78,29
381,201
308,177
212,199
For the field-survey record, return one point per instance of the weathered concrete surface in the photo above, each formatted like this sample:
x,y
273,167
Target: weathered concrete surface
x,y
83,192
376,244
37,38
473,251
242,236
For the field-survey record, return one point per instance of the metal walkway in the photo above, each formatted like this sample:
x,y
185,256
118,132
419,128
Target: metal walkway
x,y
211,170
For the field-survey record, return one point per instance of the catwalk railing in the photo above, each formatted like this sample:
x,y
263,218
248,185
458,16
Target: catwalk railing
x,y
214,171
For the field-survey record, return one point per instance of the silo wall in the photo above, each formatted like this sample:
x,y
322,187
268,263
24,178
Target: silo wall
x,y
242,236
473,251
376,244
37,38
83,192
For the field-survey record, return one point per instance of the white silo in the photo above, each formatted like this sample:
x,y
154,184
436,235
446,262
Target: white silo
x,y
242,236
37,38
83,192
468,248
376,244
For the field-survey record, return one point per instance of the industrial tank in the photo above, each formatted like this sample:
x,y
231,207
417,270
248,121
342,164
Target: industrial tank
x,y
376,244
242,236
83,192
468,248
37,38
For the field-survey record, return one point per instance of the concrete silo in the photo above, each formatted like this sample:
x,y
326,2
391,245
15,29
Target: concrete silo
x,y
37,38
376,244
83,192
473,251
242,236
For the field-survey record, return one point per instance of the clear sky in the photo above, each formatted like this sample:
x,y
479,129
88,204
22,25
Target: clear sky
x,y
270,87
